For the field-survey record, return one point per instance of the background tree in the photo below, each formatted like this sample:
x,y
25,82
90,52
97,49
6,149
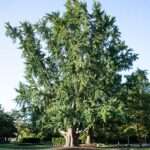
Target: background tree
x,y
137,102
7,126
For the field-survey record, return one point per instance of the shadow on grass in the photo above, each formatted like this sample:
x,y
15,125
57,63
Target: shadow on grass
x,y
24,146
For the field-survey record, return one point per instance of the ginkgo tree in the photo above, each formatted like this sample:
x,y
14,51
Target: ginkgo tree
x,y
73,62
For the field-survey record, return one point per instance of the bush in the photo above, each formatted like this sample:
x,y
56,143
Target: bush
x,y
82,138
30,140
58,141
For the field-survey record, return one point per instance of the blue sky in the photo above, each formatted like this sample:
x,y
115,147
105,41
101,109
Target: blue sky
x,y
133,19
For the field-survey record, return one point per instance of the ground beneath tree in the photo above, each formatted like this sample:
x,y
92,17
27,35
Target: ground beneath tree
x,y
79,147
75,148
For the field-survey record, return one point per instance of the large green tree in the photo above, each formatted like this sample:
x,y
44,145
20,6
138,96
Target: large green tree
x,y
73,63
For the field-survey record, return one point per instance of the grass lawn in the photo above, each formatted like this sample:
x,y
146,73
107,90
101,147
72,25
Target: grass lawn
x,y
23,147
47,147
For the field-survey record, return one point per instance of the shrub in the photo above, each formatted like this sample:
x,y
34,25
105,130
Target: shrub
x,y
82,138
30,140
58,141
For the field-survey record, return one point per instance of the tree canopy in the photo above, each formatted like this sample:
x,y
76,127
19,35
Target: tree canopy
x,y
73,69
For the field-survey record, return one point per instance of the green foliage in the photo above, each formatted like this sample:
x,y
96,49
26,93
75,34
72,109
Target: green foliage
x,y
83,137
7,126
58,141
73,71
137,105
24,132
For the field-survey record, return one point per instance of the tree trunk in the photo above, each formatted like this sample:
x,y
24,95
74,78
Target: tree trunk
x,y
128,140
118,143
145,139
88,139
89,136
70,137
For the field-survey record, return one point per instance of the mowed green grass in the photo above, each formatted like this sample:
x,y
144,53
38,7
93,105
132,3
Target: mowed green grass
x,y
24,147
48,147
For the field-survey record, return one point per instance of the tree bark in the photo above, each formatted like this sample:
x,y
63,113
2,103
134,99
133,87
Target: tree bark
x,y
145,139
88,139
128,140
69,136
89,136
